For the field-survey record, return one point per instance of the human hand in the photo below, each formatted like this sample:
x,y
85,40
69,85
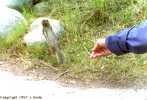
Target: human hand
x,y
100,49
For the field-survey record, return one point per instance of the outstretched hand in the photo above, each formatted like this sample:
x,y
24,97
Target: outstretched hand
x,y
100,49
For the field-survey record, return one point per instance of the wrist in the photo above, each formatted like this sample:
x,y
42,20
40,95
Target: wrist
x,y
101,42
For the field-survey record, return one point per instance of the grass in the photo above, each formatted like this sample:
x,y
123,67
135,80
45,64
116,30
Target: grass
x,y
15,36
84,22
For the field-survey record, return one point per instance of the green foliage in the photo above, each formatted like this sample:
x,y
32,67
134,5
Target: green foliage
x,y
98,4
118,5
14,37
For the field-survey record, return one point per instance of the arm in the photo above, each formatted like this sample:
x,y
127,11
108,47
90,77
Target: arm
x,y
45,34
128,40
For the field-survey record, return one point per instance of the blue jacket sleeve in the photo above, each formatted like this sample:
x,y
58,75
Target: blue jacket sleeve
x,y
129,40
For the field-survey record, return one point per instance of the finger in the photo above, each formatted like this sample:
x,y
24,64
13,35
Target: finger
x,y
95,55
101,54
104,54
92,54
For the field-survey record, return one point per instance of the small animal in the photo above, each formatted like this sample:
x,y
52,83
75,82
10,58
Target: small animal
x,y
45,29
52,40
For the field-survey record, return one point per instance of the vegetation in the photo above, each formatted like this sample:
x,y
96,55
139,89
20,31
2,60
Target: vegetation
x,y
84,22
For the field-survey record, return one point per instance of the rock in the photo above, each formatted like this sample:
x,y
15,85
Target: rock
x,y
36,36
9,19
16,4
41,9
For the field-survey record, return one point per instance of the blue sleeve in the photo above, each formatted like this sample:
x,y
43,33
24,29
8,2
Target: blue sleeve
x,y
129,40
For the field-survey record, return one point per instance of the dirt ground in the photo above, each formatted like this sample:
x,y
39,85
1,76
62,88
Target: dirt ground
x,y
39,70
19,82
45,72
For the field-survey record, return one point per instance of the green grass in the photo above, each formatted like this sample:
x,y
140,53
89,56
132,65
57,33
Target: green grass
x,y
84,22
14,37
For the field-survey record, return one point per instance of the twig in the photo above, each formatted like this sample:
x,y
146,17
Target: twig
x,y
62,74
46,64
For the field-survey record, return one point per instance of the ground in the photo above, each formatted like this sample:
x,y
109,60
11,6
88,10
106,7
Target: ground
x,y
18,84
19,68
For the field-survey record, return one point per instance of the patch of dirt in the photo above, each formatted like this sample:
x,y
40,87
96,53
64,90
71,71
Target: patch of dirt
x,y
21,67
38,70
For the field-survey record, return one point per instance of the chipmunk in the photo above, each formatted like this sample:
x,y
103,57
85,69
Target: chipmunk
x,y
52,41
